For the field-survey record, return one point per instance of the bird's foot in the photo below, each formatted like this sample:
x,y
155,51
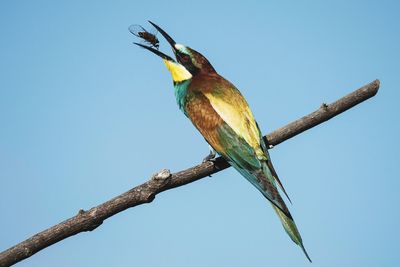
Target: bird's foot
x,y
211,156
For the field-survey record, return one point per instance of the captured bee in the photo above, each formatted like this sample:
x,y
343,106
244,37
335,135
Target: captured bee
x,y
147,37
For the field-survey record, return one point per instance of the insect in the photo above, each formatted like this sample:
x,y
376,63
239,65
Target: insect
x,y
147,37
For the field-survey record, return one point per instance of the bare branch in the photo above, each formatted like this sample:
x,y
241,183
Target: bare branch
x,y
324,113
164,180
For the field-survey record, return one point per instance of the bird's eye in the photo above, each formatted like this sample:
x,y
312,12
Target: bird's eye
x,y
184,58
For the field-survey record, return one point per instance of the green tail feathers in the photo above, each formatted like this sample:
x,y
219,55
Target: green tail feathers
x,y
264,181
260,172
291,230
287,221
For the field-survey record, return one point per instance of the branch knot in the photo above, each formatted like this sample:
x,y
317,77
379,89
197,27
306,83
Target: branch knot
x,y
164,174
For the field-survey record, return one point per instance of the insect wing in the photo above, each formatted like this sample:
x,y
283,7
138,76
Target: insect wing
x,y
135,29
147,37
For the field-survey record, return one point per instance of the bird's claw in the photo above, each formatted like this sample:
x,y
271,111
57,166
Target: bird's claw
x,y
211,156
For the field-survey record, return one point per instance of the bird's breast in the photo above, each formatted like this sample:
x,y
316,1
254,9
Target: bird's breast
x,y
202,113
204,118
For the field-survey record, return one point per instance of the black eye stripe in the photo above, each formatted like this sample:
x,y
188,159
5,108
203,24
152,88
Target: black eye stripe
x,y
184,57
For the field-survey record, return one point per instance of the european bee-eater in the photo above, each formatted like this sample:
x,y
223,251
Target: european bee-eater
x,y
219,111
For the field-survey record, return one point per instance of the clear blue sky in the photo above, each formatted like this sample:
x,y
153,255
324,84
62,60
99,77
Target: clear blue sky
x,y
85,115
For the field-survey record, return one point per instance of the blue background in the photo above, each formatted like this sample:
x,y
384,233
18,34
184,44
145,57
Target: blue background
x,y
85,115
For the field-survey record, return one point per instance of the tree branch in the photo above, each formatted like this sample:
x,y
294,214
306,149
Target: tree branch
x,y
164,180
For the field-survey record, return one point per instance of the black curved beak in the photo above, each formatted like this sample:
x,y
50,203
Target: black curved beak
x,y
157,52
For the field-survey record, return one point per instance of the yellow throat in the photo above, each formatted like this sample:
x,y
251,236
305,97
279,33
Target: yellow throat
x,y
179,73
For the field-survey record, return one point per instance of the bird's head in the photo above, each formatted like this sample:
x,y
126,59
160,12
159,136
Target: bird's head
x,y
188,63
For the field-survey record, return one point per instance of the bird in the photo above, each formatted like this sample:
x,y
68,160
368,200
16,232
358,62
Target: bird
x,y
221,114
